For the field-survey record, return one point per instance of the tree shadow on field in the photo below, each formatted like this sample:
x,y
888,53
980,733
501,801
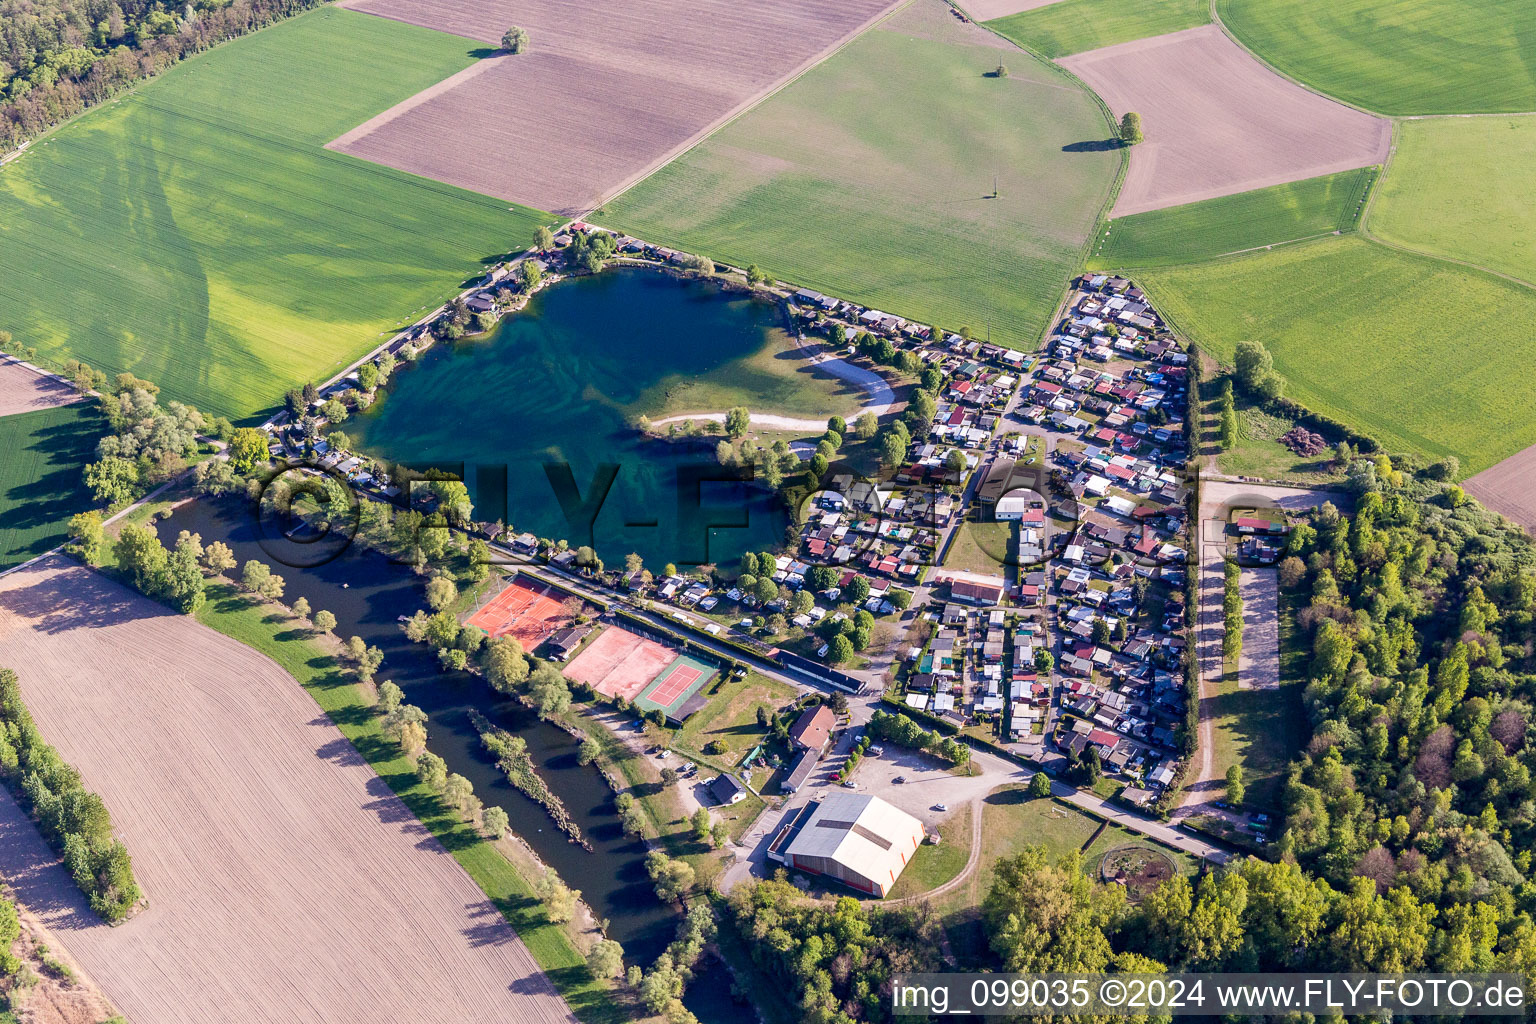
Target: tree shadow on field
x,y
482,52
1092,146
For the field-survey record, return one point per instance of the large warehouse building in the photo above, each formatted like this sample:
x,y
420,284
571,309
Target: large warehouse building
x,y
861,841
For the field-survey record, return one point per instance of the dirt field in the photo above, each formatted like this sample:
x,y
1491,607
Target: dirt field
x,y
1258,667
1217,122
619,663
285,881
986,10
605,93
25,390
1509,488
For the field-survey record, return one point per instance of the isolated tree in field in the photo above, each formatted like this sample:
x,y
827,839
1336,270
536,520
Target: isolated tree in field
x,y
719,834
1001,72
1040,785
390,696
669,776
515,40
1130,128
736,422
1236,791
700,822
494,823
324,621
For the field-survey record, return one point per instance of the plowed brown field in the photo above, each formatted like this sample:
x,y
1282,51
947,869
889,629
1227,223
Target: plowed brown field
x,y
26,390
1217,122
606,92
285,881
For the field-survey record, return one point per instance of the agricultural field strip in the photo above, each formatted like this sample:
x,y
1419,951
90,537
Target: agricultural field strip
x,y
1196,90
321,866
606,95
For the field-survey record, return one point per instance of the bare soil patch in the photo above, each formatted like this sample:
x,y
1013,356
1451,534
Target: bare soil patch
x,y
986,10
605,94
1140,869
1509,488
1258,667
285,880
1217,122
23,389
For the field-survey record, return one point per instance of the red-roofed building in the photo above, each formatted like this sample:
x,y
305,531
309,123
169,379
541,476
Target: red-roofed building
x,y
813,728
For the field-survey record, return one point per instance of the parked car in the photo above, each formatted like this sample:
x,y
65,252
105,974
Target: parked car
x,y
898,780
941,807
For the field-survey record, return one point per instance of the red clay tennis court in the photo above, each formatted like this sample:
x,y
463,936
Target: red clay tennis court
x,y
619,663
529,612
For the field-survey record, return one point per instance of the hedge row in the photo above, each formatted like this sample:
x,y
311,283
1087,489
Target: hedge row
x,y
75,822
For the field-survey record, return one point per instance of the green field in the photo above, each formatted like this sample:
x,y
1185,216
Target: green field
x,y
1231,224
1398,56
1422,354
1462,187
987,547
197,234
1075,26
40,476
870,178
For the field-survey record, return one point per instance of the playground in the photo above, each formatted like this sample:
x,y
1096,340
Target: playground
x,y
529,612
619,663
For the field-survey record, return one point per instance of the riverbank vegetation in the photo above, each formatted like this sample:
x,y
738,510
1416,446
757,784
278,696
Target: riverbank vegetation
x,y
511,753
74,821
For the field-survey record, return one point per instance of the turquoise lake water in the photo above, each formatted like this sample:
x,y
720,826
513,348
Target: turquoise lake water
x,y
549,398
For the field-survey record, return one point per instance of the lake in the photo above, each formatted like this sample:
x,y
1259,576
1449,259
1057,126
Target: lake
x,y
538,417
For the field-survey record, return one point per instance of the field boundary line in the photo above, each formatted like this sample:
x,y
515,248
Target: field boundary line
x,y
744,107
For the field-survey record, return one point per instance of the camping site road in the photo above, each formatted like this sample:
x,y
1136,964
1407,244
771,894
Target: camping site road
x,y
285,880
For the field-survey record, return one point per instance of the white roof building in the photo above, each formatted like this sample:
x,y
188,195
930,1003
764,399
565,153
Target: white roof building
x,y
860,840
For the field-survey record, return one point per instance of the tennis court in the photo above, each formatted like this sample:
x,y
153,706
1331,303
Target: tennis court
x,y
619,663
676,683
530,612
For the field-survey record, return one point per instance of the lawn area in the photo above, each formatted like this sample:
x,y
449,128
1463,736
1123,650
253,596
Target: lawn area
x,y
1231,224
40,476
871,178
982,547
934,864
1257,452
1410,349
1398,56
196,233
1075,26
1461,187
232,614
1260,729
731,717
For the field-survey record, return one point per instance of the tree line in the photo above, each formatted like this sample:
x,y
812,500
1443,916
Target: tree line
x,y
74,821
61,57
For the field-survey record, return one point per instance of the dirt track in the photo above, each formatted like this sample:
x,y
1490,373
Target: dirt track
x,y
1509,488
1218,122
23,389
286,882
605,93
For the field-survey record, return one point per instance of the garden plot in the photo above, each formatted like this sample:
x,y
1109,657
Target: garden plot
x,y
285,881
1217,122
605,94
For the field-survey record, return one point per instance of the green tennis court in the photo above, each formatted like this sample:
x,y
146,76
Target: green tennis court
x,y
670,690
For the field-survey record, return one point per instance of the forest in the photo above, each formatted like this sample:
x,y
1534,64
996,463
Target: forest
x,y
61,57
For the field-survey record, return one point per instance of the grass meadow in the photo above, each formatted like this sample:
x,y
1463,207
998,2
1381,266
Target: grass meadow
x,y
1461,187
1076,26
1398,57
196,233
1232,224
1422,354
871,178
41,484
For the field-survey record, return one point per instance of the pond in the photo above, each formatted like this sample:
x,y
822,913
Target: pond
x,y
538,417
367,594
